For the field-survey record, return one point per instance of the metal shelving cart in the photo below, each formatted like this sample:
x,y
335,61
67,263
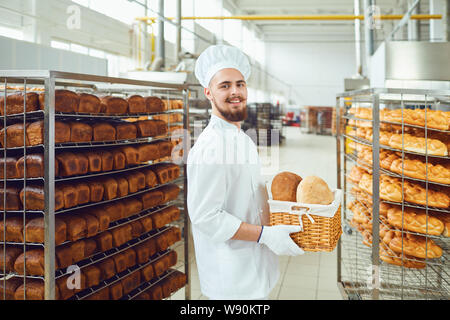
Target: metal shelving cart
x,y
48,82
370,266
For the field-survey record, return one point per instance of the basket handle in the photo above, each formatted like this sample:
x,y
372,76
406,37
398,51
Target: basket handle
x,y
299,215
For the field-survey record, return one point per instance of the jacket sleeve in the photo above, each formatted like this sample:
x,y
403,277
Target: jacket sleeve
x,y
207,189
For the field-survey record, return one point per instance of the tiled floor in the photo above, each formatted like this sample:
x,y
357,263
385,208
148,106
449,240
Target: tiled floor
x,y
312,275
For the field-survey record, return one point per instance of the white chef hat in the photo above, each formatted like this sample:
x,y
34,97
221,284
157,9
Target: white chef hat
x,y
218,57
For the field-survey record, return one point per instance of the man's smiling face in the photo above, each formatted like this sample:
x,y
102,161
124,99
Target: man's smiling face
x,y
228,93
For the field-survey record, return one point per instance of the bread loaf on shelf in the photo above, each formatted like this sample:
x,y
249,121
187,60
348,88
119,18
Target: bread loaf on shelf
x,y
76,226
92,274
15,103
130,255
126,131
122,186
394,258
69,164
132,206
103,131
391,190
92,224
146,223
11,170
9,287
104,241
113,105
136,104
7,261
151,198
96,190
150,178
35,166
80,132
90,247
35,133
136,229
131,282
34,196
14,136
110,187
147,152
107,160
33,289
35,230
121,235
107,268
116,291
31,262
416,246
146,128
154,104
119,159
415,220
165,148
94,161
120,262
103,217
418,144
170,192
89,103
131,155
435,119
65,101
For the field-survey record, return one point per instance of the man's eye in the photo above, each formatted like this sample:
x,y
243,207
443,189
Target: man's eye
x,y
225,86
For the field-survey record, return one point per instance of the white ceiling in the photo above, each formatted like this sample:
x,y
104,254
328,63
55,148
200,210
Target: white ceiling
x,y
298,31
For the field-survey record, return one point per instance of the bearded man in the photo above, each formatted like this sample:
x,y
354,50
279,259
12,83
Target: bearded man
x,y
235,248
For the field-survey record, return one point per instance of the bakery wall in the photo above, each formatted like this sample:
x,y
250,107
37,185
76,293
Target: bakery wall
x,y
316,71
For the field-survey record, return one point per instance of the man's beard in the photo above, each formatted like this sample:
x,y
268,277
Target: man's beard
x,y
232,115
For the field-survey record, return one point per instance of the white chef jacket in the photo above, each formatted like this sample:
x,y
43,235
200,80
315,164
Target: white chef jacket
x,y
225,188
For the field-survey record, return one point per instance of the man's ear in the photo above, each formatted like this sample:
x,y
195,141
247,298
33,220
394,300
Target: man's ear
x,y
207,92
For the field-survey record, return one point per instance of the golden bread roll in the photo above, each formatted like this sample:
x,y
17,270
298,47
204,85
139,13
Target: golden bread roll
x,y
397,259
314,190
364,113
435,119
445,219
418,144
418,169
284,186
414,220
416,246
391,190
356,174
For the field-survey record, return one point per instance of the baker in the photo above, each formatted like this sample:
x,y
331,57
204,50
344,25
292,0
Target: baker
x,y
235,249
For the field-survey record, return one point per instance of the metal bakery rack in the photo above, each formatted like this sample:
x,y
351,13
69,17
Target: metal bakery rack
x,y
48,82
370,266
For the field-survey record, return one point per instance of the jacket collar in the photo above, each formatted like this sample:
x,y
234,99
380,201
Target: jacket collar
x,y
224,124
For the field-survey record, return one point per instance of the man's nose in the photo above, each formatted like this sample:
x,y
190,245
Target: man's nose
x,y
235,90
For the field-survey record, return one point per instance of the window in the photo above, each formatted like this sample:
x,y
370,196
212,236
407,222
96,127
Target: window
x,y
122,10
79,49
60,45
11,33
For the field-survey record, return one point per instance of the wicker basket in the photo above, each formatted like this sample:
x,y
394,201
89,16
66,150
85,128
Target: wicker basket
x,y
321,224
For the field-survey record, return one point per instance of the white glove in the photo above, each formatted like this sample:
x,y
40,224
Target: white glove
x,y
278,240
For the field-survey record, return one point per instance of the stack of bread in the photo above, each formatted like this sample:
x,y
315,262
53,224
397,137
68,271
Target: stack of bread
x,y
91,276
118,197
417,225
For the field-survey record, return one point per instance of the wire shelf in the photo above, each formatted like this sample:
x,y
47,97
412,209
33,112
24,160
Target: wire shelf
x,y
357,260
